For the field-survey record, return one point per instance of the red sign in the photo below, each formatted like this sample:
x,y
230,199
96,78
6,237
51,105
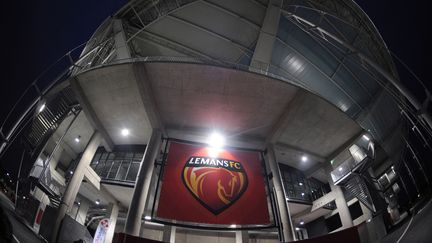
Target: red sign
x,y
208,186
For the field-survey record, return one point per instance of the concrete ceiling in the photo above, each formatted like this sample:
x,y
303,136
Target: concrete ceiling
x,y
122,194
115,99
79,128
197,99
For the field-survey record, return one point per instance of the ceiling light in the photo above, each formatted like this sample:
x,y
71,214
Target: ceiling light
x,y
297,228
340,168
147,217
77,139
7,174
71,172
233,226
302,194
300,184
301,222
125,132
24,197
365,137
304,158
216,140
41,107
79,203
97,201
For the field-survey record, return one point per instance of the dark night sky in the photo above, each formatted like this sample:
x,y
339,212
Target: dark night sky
x,y
36,33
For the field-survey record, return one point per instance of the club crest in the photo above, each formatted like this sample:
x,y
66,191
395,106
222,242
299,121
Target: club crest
x,y
215,182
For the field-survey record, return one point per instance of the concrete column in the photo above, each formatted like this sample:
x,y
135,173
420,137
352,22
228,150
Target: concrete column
x,y
341,203
113,210
281,198
122,48
81,214
169,233
242,236
136,207
75,183
264,47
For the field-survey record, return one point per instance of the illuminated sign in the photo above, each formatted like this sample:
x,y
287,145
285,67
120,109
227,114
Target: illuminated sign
x,y
201,187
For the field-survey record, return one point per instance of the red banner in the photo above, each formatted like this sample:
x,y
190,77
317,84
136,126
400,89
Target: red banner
x,y
213,186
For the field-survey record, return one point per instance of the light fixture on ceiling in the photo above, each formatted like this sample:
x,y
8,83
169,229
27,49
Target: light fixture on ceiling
x,y
216,140
7,173
147,217
365,137
302,194
78,139
297,228
97,201
340,169
233,226
125,132
304,158
300,184
79,203
71,172
302,222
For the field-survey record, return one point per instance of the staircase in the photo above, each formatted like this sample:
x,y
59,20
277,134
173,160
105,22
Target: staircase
x,y
56,109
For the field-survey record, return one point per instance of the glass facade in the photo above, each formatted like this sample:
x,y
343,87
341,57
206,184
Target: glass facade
x,y
122,164
300,188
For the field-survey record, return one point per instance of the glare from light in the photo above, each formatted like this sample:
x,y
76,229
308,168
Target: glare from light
x,y
79,203
125,132
297,228
216,140
7,174
365,137
24,197
340,169
97,201
332,161
10,181
147,217
369,220
213,152
233,226
71,172
300,184
301,222
77,139
41,108
304,158
302,194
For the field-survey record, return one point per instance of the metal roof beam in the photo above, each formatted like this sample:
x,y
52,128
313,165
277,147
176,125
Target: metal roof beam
x,y
242,18
243,48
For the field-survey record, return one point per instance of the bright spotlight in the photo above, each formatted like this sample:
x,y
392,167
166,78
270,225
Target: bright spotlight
x,y
125,132
297,228
304,158
77,139
340,169
216,140
233,226
365,137
301,222
147,217
97,201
